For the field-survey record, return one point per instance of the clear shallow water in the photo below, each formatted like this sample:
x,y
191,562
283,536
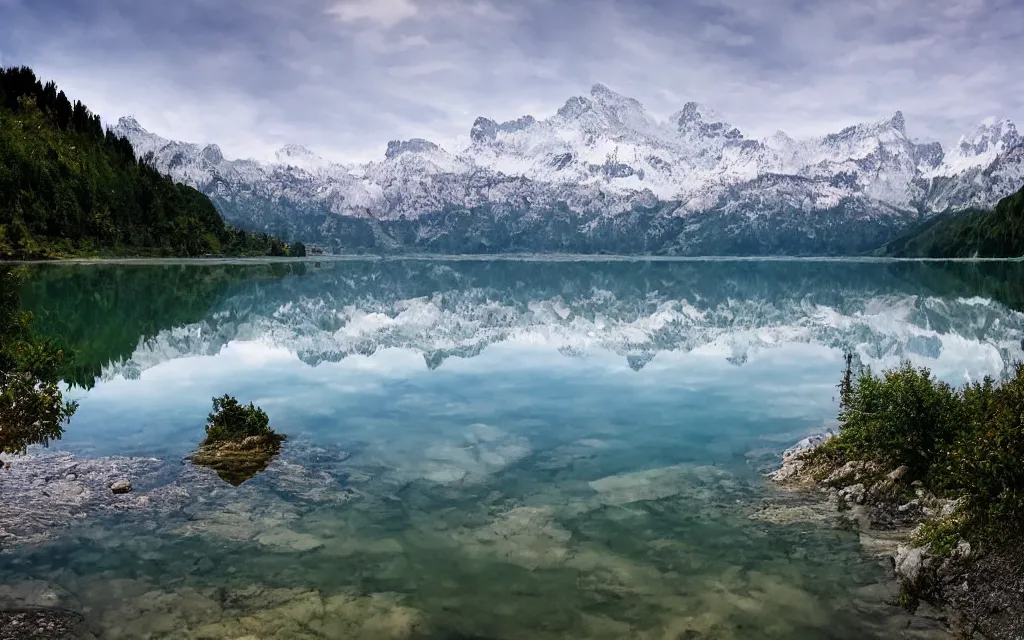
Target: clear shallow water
x,y
484,449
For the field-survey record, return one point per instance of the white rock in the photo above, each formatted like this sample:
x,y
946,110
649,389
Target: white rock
x,y
903,508
810,443
963,549
848,471
121,486
897,474
949,507
854,493
792,462
911,561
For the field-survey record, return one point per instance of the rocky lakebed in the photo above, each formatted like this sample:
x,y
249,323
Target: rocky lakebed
x,y
325,544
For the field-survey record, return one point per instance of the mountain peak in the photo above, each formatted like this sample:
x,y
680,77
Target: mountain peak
x,y
696,119
295,150
212,154
574,107
299,156
600,90
693,111
605,96
603,155
415,145
485,129
990,134
994,122
898,122
129,123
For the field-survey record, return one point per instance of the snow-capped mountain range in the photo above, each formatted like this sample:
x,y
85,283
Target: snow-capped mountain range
x,y
603,175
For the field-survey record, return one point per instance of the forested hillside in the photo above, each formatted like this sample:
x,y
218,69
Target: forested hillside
x,y
69,187
998,233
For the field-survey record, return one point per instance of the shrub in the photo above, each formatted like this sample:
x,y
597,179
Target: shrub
x,y
904,417
965,443
232,422
987,460
941,535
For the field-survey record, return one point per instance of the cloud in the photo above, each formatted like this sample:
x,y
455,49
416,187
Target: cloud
x,y
345,76
384,12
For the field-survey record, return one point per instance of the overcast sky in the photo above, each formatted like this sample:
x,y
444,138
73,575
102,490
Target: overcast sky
x,y
345,76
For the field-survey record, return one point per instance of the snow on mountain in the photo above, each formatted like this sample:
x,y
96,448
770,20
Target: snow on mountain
x,y
599,157
985,166
980,148
294,155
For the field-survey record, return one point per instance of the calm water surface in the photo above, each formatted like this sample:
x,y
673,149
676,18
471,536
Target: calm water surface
x,y
483,449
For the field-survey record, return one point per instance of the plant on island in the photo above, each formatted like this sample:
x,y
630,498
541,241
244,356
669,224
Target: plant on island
x,y
239,441
233,422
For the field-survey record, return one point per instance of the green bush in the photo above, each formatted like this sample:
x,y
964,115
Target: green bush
x,y
904,417
961,443
987,461
233,422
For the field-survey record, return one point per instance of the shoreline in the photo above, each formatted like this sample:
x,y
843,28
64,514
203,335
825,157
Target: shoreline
x,y
488,257
978,594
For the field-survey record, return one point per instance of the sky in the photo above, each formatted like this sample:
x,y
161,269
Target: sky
x,y
343,77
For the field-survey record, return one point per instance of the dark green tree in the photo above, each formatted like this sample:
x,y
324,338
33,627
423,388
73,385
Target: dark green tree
x,y
69,187
998,233
233,422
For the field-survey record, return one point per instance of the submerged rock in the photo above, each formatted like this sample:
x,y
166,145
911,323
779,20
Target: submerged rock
x,y
39,499
527,536
120,486
43,493
792,514
129,609
42,624
236,462
289,541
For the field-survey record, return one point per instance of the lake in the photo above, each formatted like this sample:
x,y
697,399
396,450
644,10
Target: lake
x,y
476,448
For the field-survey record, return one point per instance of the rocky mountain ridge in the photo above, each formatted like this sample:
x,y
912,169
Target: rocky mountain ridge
x,y
603,175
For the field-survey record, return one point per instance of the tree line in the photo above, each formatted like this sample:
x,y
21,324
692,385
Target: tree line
x,y
70,187
996,233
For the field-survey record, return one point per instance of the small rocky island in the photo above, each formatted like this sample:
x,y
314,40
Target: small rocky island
x,y
931,476
239,441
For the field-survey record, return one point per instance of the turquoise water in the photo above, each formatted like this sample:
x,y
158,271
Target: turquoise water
x,y
481,449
